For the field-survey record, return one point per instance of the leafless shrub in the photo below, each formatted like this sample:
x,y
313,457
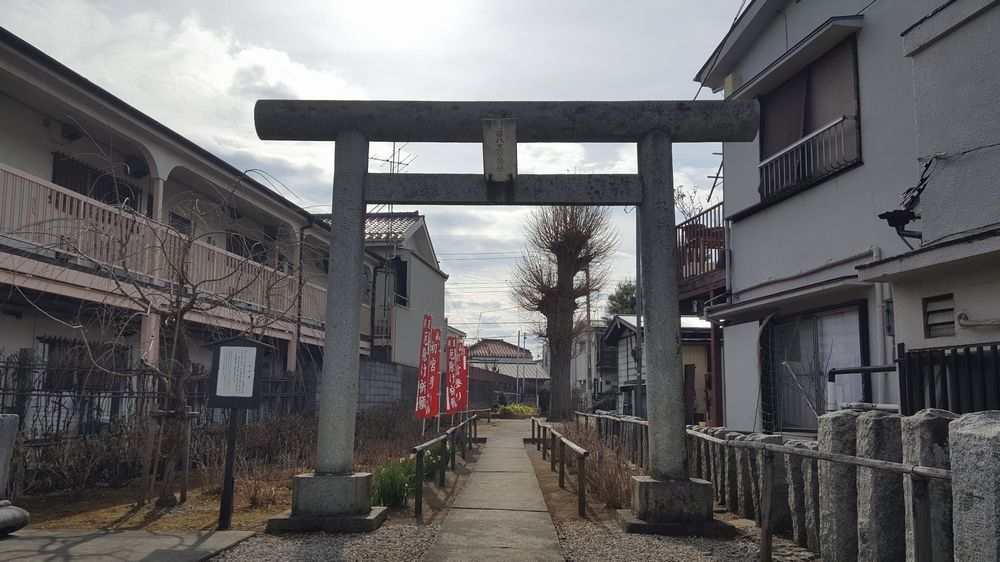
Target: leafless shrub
x,y
609,473
256,482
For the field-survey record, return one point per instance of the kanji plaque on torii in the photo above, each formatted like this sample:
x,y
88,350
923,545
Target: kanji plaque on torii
x,y
333,496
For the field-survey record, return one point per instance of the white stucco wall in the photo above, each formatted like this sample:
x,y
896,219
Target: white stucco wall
x,y
975,289
955,80
837,218
426,296
742,383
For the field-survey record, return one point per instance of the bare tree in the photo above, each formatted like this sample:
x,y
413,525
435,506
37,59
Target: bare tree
x,y
172,275
686,201
569,249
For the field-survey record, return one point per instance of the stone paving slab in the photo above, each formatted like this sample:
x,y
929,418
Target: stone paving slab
x,y
188,546
500,515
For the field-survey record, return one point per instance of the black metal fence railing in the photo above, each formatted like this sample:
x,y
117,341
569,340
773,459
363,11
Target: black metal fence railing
x,y
960,379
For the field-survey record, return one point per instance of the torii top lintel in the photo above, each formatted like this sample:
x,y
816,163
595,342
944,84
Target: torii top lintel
x,y
537,121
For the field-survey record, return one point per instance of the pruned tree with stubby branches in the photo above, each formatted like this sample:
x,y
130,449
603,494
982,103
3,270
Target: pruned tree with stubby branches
x,y
569,249
173,275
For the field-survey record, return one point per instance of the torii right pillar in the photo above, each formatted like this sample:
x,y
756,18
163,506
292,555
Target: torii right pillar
x,y
667,500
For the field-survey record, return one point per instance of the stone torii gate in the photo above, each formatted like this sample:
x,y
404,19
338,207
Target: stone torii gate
x,y
334,497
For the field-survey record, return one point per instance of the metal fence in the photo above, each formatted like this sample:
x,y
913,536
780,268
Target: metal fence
x,y
960,379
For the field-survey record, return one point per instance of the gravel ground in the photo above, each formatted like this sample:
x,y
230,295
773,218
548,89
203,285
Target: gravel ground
x,y
388,543
585,541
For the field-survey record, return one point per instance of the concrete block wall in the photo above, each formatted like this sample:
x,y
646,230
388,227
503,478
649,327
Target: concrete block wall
x,y
382,384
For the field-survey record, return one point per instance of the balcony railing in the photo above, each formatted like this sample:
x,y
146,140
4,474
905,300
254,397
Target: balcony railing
x,y
701,244
820,154
45,220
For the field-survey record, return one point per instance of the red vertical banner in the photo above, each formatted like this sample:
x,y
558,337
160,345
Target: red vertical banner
x,y
434,372
463,377
425,383
451,377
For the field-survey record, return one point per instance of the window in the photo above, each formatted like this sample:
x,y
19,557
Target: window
x,y
797,353
181,224
243,245
402,288
939,316
101,185
809,129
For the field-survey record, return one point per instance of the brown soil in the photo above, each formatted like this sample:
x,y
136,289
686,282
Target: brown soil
x,y
108,509
562,502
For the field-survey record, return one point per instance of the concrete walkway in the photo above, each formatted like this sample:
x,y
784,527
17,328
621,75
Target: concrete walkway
x,y
500,513
181,546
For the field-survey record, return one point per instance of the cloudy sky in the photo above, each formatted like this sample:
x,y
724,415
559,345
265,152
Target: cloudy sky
x,y
199,66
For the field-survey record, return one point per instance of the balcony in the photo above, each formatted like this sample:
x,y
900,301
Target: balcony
x,y
61,232
701,245
816,157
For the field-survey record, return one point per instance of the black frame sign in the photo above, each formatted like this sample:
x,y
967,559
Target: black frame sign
x,y
236,380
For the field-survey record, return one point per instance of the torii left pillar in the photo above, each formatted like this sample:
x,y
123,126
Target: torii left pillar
x,y
335,498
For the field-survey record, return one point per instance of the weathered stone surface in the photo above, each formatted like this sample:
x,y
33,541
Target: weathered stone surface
x,y
810,487
662,364
705,458
796,494
974,440
744,479
12,518
537,121
754,459
732,467
691,447
331,494
838,492
781,519
925,443
8,435
881,531
667,501
528,189
719,465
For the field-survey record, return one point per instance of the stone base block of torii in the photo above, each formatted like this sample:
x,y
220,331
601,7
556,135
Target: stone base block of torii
x,y
330,503
335,499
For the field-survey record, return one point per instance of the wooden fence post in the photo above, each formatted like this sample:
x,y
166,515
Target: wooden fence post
x,y
581,486
552,451
562,463
418,492
442,462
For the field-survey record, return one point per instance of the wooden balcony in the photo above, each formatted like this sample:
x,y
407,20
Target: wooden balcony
x,y
69,238
701,245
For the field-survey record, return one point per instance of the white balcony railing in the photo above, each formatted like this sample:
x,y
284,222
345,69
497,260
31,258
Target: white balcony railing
x,y
824,152
40,218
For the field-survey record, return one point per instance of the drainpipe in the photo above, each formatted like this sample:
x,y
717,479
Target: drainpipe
x,y
880,325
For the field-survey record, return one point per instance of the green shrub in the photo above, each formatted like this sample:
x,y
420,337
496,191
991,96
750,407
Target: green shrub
x,y
393,482
517,411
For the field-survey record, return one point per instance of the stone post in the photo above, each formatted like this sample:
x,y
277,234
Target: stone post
x,y
744,481
732,469
838,492
666,499
810,487
781,519
11,518
335,498
974,440
925,443
796,494
881,532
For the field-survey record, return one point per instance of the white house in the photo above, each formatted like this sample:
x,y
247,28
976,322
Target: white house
x,y
104,208
836,147
945,290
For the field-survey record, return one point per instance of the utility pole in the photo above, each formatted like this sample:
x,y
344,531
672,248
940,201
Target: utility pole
x,y
588,398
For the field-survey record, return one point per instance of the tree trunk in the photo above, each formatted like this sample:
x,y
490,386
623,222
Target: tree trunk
x,y
561,396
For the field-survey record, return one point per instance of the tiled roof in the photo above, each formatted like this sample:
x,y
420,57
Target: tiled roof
x,y
498,349
389,227
532,370
384,227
